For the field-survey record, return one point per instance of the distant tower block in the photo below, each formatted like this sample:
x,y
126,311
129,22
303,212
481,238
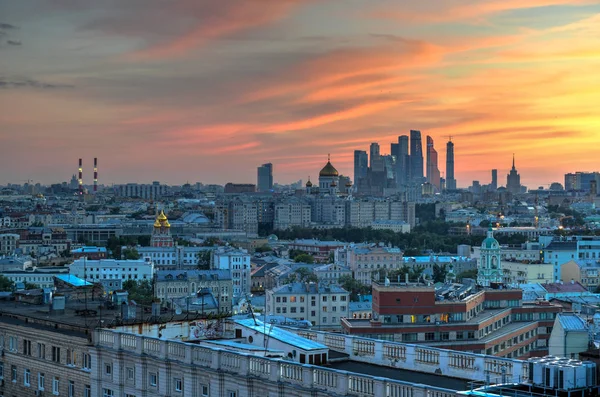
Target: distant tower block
x,y
80,176
95,174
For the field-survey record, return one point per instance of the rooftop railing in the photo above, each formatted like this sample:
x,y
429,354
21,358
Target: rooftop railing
x,y
462,365
242,365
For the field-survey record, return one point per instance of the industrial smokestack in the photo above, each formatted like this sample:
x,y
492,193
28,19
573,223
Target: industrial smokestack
x,y
80,176
95,174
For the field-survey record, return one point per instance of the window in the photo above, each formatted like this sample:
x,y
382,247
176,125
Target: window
x,y
107,393
41,379
204,390
55,385
13,373
429,336
26,347
178,384
87,361
71,357
71,388
87,391
56,354
1,370
27,378
231,393
12,343
41,348
107,369
153,379
130,374
445,336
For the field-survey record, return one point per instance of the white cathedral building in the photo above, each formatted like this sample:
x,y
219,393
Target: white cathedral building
x,y
489,267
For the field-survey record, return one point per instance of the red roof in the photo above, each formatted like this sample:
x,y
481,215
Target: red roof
x,y
553,288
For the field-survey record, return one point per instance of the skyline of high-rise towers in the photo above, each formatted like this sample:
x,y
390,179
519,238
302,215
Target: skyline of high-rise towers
x,y
433,172
450,181
402,170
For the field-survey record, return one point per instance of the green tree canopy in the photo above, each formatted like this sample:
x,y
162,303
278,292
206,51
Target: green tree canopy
x,y
6,284
131,253
139,291
354,287
304,258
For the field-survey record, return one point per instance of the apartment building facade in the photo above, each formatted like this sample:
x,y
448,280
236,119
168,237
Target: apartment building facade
x,y
488,321
323,306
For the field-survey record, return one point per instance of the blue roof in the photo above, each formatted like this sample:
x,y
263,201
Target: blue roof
x,y
281,335
74,281
88,249
572,322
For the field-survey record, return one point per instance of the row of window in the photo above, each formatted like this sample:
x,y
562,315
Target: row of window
x,y
294,299
40,352
153,382
283,310
41,381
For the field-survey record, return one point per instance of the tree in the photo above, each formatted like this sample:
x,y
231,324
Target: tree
x,y
139,291
439,273
467,274
353,286
30,285
131,253
304,258
263,248
204,260
6,284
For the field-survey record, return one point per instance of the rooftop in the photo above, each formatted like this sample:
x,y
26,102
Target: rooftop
x,y
310,288
572,322
554,288
402,374
280,334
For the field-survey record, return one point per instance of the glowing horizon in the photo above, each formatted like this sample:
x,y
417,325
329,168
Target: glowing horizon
x,y
207,91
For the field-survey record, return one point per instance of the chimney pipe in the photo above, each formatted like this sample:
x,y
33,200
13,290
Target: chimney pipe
x,y
95,174
80,176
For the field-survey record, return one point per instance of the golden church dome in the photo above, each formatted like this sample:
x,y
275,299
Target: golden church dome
x,y
166,224
328,170
309,183
156,223
161,217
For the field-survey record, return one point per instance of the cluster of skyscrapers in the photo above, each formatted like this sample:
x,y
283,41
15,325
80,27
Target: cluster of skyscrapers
x,y
404,168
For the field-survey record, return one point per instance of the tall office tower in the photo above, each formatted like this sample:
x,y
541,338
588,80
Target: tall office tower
x,y
375,160
513,180
265,177
433,172
402,162
416,157
450,181
494,184
361,165
394,149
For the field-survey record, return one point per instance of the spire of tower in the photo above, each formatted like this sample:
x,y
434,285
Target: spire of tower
x,y
513,161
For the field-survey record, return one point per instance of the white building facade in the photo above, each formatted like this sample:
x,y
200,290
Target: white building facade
x,y
238,262
103,270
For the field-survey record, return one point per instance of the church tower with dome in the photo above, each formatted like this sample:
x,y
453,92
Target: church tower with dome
x,y
161,232
489,267
329,179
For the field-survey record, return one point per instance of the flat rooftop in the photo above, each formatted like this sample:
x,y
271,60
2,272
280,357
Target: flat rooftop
x,y
79,317
402,375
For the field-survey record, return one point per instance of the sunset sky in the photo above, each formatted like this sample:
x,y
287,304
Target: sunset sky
x,y
207,90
